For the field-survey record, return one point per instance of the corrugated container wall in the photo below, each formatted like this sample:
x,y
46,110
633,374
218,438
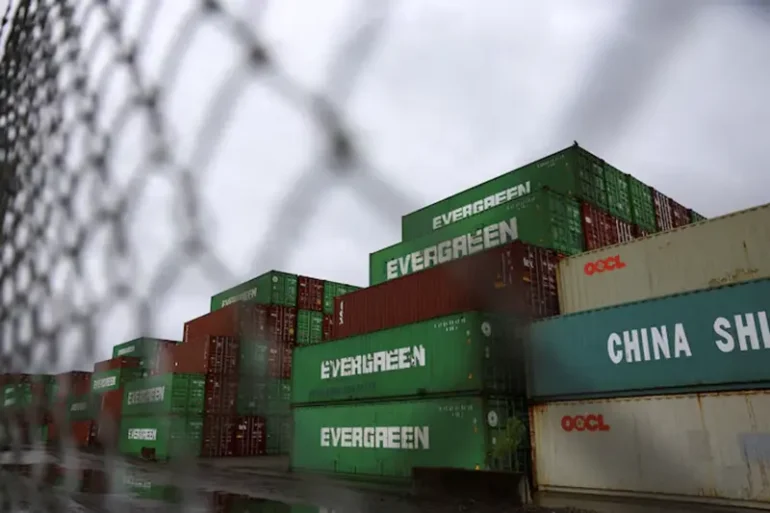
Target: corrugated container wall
x,y
310,294
388,439
542,218
572,172
707,340
273,287
600,229
702,447
468,352
516,278
727,249
664,218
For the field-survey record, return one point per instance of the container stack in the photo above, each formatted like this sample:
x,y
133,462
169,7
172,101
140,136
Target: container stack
x,y
656,376
26,407
74,410
162,416
107,386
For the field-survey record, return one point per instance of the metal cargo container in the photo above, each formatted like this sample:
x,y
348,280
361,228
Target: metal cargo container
x,y
167,394
81,408
273,287
117,363
279,434
663,215
264,397
328,327
309,327
700,447
680,215
249,437
625,231
706,340
333,290
161,437
388,439
600,229
218,436
515,278
461,353
110,406
696,217
113,379
75,383
310,294
728,249
221,395
144,348
572,171
642,205
208,355
618,194
542,218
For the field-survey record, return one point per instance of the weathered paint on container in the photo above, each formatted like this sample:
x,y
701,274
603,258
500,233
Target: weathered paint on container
x,y
642,205
618,193
388,439
310,294
572,172
663,215
273,287
115,379
461,353
722,250
333,290
515,278
711,339
680,215
221,395
309,327
167,394
542,218
600,229
705,447
161,437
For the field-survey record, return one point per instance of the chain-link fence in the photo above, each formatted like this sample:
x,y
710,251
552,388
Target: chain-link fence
x,y
107,205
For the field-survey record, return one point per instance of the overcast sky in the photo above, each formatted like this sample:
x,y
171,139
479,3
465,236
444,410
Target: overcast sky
x,y
453,93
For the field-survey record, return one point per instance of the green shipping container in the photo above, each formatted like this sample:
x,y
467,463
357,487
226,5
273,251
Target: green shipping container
x,y
709,340
146,349
388,439
642,206
468,352
618,193
332,290
573,172
274,287
279,433
167,436
17,395
263,397
81,408
310,327
113,379
696,217
144,488
165,394
543,218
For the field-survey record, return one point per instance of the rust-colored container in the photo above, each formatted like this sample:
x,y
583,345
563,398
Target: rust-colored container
x,y
640,232
121,362
80,433
279,360
599,227
544,286
663,214
164,363
625,230
108,419
495,280
282,325
236,320
210,355
221,394
310,294
218,436
249,436
680,215
74,383
328,327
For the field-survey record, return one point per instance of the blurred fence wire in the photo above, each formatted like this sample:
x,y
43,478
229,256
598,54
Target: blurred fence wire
x,y
65,184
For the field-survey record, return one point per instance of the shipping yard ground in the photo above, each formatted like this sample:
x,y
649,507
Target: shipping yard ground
x,y
266,478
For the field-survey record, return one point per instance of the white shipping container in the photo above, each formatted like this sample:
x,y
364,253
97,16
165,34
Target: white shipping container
x,y
713,447
719,251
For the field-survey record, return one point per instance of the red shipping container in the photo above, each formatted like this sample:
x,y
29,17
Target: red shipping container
x,y
121,362
625,230
279,360
328,327
495,280
680,215
543,264
80,433
75,382
211,355
164,363
663,215
282,325
599,227
310,294
218,436
249,436
221,394
640,232
108,418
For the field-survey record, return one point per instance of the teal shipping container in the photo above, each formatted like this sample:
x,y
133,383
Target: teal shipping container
x,y
710,340
165,394
273,287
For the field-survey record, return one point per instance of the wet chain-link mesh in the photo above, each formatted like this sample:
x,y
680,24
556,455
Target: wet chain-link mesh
x,y
78,153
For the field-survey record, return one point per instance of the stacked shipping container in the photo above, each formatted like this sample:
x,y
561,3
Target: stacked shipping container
x,y
672,313
26,408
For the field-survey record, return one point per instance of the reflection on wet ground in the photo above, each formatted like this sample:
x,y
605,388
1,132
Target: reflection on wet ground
x,y
96,489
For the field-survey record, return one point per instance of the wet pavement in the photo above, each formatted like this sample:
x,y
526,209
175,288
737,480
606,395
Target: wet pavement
x,y
39,481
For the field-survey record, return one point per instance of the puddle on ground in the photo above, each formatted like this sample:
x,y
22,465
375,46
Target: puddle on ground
x,y
82,485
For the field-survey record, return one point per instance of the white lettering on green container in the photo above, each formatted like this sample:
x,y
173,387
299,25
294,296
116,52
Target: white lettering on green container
x,y
243,296
142,434
380,437
371,363
148,395
491,201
